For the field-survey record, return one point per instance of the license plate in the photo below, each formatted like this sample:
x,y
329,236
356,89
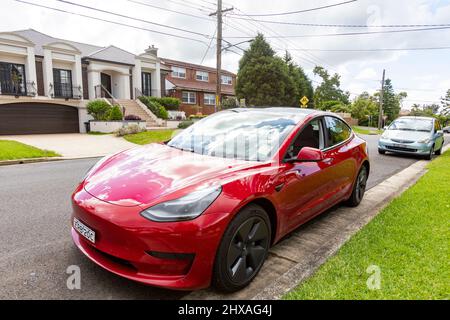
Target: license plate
x,y
84,230
401,145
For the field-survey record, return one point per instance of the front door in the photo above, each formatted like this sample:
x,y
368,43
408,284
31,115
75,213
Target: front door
x,y
147,84
106,84
304,184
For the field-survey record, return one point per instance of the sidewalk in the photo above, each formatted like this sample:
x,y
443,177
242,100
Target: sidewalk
x,y
75,145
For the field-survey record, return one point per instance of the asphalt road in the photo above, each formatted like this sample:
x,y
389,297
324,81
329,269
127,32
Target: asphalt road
x,y
35,244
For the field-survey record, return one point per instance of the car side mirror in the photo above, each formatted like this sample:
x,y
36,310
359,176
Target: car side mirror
x,y
385,128
308,154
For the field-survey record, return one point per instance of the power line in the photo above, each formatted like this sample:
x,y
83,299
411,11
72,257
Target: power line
x,y
112,22
169,10
298,11
209,46
354,33
372,50
133,18
186,4
308,60
345,25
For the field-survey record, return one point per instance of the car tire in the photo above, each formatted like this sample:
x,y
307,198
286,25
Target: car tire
x,y
381,151
439,152
429,156
243,249
359,188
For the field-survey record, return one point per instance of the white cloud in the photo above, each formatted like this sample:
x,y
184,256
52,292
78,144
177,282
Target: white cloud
x,y
415,70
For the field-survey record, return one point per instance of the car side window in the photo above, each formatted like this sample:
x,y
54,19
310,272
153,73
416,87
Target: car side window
x,y
337,131
311,136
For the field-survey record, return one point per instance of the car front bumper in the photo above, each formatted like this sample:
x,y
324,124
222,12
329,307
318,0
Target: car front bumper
x,y
410,148
176,255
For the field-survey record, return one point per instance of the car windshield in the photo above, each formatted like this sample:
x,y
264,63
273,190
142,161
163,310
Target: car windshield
x,y
242,135
406,124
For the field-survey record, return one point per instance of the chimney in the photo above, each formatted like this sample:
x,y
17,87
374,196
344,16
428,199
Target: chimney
x,y
152,50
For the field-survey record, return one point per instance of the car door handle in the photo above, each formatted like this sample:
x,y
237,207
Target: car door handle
x,y
328,160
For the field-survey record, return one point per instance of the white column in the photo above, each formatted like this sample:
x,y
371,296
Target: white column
x,y
30,68
137,76
121,86
156,80
47,65
77,73
126,86
93,80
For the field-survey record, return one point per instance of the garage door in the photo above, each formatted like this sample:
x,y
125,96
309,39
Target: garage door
x,y
37,118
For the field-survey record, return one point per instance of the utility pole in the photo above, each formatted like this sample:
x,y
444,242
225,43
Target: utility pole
x,y
381,115
219,14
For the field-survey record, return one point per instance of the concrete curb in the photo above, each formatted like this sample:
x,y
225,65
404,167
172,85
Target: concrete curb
x,y
296,258
37,160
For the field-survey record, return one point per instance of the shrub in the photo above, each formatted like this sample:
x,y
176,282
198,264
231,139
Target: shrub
x,y
115,114
133,129
132,117
185,124
170,103
197,116
155,107
230,103
99,109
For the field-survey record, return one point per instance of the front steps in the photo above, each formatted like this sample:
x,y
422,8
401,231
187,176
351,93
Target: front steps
x,y
133,108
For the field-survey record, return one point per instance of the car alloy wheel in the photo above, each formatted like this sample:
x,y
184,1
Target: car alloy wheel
x,y
247,250
361,184
243,249
359,188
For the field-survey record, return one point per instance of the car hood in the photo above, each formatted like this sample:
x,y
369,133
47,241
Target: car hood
x,y
406,135
141,175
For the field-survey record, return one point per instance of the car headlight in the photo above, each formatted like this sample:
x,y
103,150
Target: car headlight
x,y
384,136
426,141
185,208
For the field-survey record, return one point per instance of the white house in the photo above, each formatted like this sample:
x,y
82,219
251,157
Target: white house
x,y
45,82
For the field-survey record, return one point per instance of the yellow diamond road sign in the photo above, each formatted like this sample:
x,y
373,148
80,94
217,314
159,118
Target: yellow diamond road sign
x,y
304,101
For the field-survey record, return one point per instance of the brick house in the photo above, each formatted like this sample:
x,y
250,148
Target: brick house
x,y
195,85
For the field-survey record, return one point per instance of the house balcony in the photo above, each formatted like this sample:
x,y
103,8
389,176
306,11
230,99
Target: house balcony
x,y
18,89
66,91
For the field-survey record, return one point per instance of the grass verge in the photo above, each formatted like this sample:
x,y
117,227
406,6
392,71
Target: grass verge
x,y
154,136
366,131
408,241
13,150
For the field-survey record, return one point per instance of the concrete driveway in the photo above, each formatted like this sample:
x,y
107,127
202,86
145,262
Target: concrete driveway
x,y
75,145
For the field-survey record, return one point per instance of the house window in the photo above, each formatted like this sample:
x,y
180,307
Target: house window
x,y
202,76
12,79
62,83
189,97
179,72
210,99
228,80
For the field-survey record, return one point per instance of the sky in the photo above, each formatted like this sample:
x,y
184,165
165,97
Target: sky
x,y
424,75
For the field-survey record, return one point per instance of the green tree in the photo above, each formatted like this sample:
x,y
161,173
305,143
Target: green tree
x,y
302,85
329,89
365,109
391,101
446,105
263,79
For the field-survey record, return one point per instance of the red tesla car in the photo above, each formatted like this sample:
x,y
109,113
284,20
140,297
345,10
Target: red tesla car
x,y
205,207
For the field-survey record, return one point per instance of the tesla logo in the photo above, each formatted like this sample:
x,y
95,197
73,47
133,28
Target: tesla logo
x,y
74,279
374,281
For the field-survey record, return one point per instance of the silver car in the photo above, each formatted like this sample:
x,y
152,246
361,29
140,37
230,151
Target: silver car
x,y
413,135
